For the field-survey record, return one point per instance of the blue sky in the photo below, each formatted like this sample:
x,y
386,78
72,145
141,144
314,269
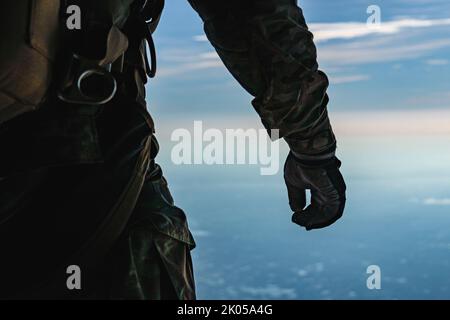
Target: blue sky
x,y
405,66
390,107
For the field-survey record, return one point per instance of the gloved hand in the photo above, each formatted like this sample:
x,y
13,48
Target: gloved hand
x,y
327,191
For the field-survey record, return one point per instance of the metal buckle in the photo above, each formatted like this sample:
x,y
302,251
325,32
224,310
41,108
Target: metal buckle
x,y
89,83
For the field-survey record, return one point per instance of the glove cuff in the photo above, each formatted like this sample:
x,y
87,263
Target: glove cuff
x,y
314,158
330,160
320,147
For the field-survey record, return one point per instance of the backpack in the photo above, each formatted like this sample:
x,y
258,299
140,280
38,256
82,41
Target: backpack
x,y
27,53
35,41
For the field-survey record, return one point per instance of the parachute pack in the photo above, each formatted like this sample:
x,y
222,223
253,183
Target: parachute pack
x,y
45,52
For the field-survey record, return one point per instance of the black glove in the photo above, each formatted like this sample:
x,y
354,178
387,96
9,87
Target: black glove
x,y
327,191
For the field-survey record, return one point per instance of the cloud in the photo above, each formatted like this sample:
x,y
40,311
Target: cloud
x,y
434,99
270,292
302,273
200,38
193,66
437,62
358,43
349,78
388,123
200,233
349,30
386,49
191,62
437,202
391,41
318,267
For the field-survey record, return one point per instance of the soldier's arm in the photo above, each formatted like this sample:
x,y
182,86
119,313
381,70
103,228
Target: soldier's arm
x,y
268,48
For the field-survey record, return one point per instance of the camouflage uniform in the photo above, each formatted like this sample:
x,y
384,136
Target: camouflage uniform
x,y
67,170
268,48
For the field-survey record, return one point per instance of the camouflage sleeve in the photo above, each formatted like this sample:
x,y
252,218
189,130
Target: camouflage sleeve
x,y
268,48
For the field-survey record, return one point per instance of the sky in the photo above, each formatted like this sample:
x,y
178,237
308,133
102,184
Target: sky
x,y
390,108
403,65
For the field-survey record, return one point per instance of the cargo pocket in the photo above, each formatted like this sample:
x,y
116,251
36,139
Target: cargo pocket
x,y
148,265
154,257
